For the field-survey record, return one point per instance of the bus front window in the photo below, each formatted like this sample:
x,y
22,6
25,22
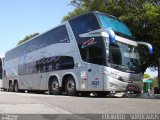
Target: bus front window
x,y
124,57
109,22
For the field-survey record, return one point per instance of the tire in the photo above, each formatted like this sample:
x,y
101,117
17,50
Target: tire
x,y
10,89
54,88
70,87
15,87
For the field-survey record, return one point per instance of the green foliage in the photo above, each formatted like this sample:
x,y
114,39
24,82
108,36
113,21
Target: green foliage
x,y
141,16
154,82
27,38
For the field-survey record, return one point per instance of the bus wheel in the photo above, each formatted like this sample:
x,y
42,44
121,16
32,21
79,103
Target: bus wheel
x,y
70,87
10,87
15,87
54,88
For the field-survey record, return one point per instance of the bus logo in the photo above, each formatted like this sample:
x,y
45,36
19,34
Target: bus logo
x,y
88,43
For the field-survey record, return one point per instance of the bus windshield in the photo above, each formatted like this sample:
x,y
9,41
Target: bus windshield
x,y
109,22
124,57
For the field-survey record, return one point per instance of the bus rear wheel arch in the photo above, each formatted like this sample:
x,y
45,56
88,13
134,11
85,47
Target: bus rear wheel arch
x,y
53,86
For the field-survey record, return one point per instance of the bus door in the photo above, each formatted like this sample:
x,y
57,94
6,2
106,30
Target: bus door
x,y
95,77
94,56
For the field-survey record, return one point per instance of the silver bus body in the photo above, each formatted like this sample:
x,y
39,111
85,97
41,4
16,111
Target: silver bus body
x,y
35,63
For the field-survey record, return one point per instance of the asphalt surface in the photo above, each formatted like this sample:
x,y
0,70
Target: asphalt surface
x,y
35,104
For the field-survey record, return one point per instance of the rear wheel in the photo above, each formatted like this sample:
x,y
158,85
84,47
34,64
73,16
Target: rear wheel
x,y
70,87
54,88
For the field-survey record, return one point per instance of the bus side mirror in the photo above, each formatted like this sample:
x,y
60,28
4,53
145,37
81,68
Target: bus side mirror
x,y
150,49
101,32
111,34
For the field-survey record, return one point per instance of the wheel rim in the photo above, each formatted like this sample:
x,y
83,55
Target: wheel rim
x,y
55,85
70,85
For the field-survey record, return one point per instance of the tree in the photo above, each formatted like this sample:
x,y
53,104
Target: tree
x,y
154,82
142,17
27,38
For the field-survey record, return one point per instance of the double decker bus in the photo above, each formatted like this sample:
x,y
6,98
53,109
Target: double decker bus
x,y
93,52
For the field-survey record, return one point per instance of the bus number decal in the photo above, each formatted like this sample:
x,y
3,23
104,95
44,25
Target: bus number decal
x,y
95,83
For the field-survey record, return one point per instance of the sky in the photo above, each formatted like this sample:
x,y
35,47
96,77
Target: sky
x,y
19,18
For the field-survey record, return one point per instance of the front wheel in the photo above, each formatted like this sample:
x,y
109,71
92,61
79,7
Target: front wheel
x,y
70,87
54,88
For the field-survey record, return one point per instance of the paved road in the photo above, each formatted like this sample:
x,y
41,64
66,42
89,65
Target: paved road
x,y
30,103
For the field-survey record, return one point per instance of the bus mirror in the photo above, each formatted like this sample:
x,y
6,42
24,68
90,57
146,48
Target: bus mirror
x,y
111,34
148,45
101,32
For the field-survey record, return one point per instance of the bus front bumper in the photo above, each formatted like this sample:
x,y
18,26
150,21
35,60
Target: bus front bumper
x,y
113,84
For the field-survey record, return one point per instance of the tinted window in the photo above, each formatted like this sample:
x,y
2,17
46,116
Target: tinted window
x,y
84,24
124,57
91,49
93,52
114,24
57,35
48,64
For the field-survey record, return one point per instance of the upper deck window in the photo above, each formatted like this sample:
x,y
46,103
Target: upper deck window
x,y
117,26
83,24
54,36
91,53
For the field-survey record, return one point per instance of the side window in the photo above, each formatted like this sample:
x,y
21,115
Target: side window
x,y
91,49
93,52
115,54
56,35
55,63
66,62
84,24
59,35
